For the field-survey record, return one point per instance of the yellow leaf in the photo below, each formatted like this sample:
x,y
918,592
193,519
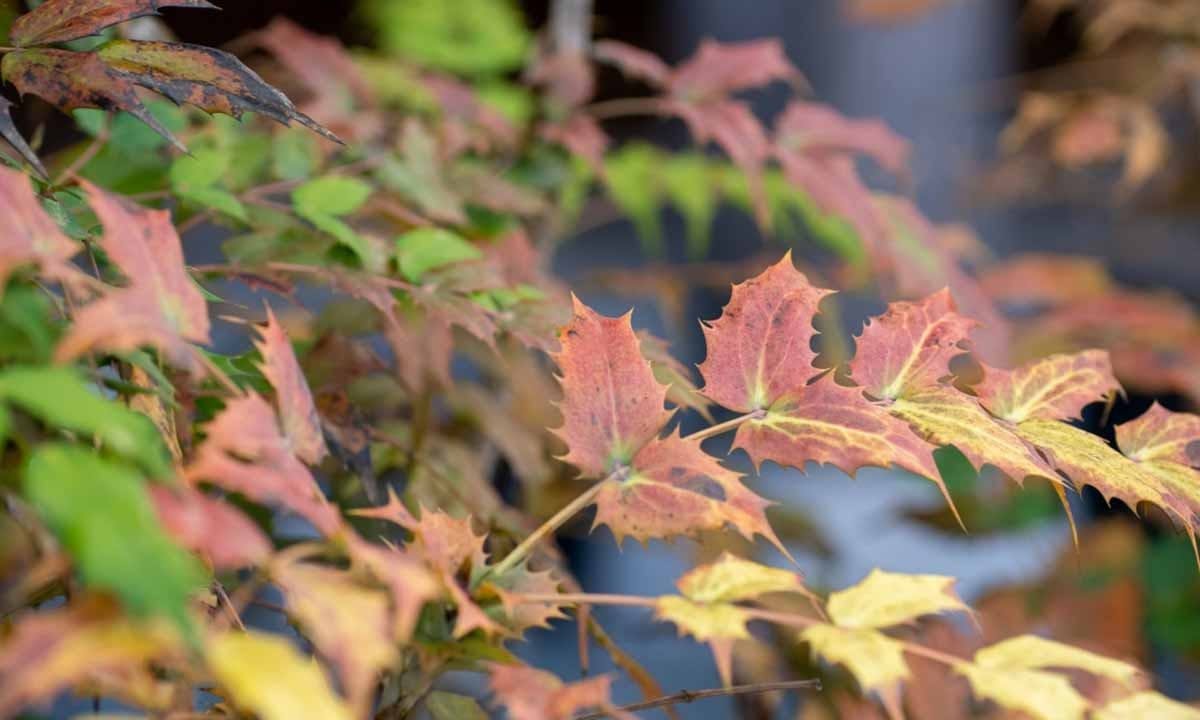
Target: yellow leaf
x,y
703,622
1052,388
1040,695
267,676
884,599
874,659
1146,704
732,579
1030,652
1088,460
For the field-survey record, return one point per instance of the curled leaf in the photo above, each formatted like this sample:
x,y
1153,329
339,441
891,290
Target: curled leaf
x,y
301,425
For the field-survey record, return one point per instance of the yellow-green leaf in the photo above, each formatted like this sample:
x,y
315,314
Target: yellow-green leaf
x,y
1053,388
1146,704
732,579
1040,695
885,599
874,659
1030,652
265,675
701,621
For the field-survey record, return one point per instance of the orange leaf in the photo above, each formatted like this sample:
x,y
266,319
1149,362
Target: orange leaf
x,y
301,426
246,453
759,349
909,347
611,405
1053,388
211,527
675,488
531,694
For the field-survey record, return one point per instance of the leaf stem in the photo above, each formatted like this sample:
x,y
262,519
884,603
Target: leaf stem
x,y
687,696
722,428
626,107
521,551
587,599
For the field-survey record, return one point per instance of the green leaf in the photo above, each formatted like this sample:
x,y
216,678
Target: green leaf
x,y
693,190
217,199
203,168
451,706
99,510
469,37
330,195
27,333
293,155
60,398
424,249
632,177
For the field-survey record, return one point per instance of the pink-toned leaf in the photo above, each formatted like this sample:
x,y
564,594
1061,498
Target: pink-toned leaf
x,y
732,126
1160,434
410,583
57,21
759,349
675,488
717,69
1054,388
216,530
909,347
612,405
806,127
531,694
581,135
30,237
246,453
301,425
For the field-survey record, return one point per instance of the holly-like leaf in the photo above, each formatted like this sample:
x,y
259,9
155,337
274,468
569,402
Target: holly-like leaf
x,y
875,660
675,488
410,583
947,417
31,236
47,652
759,349
909,347
1053,388
884,599
1146,704
8,131
734,579
1161,435
531,694
1088,460
161,305
348,624
267,676
246,453
213,528
56,21
301,425
1013,674
612,405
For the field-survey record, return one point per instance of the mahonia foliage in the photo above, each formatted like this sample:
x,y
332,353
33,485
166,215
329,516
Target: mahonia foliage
x,y
338,471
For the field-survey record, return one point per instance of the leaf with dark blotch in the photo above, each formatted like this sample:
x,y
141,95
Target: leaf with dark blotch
x,y
57,21
675,488
72,80
210,79
8,131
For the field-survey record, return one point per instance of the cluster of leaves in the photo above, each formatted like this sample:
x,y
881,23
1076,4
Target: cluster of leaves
x,y
155,491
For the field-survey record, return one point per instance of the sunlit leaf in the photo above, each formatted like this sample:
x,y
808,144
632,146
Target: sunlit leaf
x,y
1054,388
1146,704
884,599
267,676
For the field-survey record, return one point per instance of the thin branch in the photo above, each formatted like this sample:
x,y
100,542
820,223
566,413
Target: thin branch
x,y
224,601
688,696
626,107
586,599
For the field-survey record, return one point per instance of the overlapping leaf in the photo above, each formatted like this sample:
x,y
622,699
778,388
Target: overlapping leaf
x,y
301,425
31,237
210,527
531,694
57,21
160,305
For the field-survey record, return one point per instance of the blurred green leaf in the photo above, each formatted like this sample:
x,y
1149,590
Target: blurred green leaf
x,y
692,188
632,177
424,249
59,397
469,37
450,706
332,195
100,511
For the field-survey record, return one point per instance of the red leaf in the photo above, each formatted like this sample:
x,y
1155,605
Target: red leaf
x,y
57,21
812,128
759,350
909,347
731,124
612,405
581,135
675,488
246,453
210,527
30,236
161,306
301,425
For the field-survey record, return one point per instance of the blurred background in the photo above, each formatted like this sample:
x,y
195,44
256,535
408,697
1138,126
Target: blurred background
x,y
1041,133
